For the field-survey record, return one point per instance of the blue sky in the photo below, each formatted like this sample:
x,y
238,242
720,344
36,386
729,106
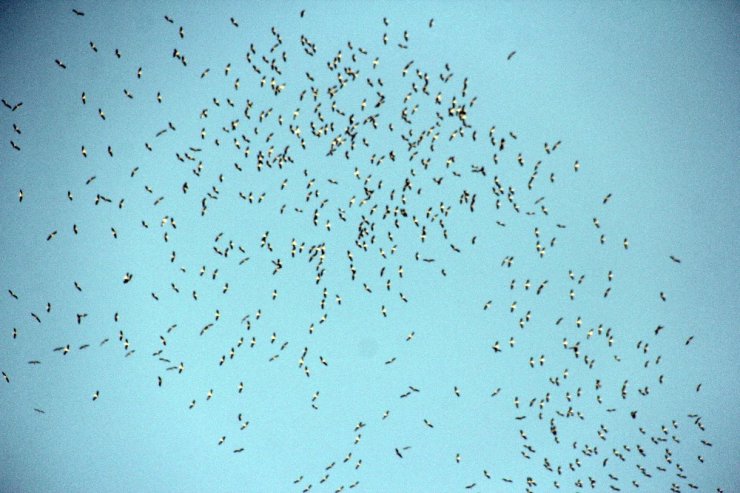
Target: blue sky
x,y
642,95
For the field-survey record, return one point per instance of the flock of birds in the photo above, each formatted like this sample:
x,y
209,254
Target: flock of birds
x,y
383,202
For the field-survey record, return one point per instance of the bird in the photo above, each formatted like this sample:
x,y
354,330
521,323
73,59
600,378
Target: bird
x,y
511,55
78,12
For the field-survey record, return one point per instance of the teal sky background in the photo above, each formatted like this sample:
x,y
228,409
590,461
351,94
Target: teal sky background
x,y
643,94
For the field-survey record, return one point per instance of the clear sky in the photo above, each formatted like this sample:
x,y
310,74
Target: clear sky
x,y
642,95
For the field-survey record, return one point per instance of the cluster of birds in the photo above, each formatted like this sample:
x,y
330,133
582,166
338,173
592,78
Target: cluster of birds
x,y
385,204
